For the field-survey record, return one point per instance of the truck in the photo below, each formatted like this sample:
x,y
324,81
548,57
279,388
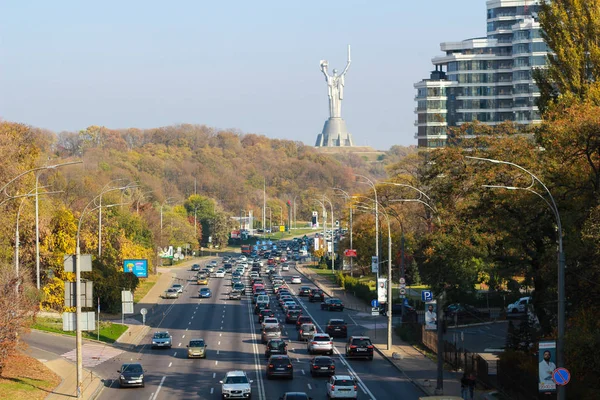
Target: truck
x,y
246,249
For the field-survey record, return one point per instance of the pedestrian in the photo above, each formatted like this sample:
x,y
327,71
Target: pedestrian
x,y
472,382
464,386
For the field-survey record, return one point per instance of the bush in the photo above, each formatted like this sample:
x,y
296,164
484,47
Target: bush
x,y
359,289
410,332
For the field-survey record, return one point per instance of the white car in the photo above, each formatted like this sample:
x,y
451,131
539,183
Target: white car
x,y
519,306
178,287
341,387
270,322
220,274
285,267
296,279
236,385
242,258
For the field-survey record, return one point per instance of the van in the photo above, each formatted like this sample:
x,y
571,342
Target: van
x,y
519,306
263,298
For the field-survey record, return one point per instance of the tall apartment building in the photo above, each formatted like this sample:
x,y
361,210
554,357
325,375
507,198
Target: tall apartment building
x,y
488,79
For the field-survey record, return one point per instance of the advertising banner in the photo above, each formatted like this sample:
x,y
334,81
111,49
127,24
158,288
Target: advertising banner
x,y
546,357
431,315
374,264
138,267
315,219
382,290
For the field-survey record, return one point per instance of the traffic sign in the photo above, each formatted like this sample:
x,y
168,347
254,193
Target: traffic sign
x,y
426,295
374,311
402,281
374,303
350,253
143,311
402,291
561,376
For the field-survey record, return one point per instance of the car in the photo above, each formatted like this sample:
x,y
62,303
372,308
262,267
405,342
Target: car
x,y
306,331
322,365
292,316
458,312
270,321
205,293
131,374
304,291
341,387
202,280
162,339
332,304
264,313
280,365
285,267
270,332
410,312
220,273
171,293
295,396
196,348
316,295
303,319
337,327
519,306
195,267
296,279
260,306
234,296
275,346
359,347
239,287
242,258
320,343
210,268
236,385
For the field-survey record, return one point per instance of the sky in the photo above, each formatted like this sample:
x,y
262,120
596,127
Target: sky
x,y
252,66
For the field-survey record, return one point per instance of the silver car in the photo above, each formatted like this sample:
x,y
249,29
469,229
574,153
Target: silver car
x,y
320,343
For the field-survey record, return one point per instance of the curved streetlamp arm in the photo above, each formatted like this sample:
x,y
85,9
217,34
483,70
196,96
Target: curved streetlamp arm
x,y
3,188
421,193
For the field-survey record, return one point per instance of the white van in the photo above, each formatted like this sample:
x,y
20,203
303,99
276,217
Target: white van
x,y
519,306
263,298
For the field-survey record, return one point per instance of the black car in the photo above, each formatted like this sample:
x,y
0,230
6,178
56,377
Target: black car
x,y
337,327
459,312
292,316
359,347
316,295
280,365
295,396
131,375
304,291
322,365
410,312
275,346
265,312
332,304
260,306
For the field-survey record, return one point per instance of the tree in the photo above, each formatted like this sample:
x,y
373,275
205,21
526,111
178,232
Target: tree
x,y
571,29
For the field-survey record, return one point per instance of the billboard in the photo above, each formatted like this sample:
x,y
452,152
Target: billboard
x,y
138,267
374,264
431,316
315,219
546,357
382,290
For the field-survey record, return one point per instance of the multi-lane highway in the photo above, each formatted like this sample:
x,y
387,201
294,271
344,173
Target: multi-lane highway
x,y
232,334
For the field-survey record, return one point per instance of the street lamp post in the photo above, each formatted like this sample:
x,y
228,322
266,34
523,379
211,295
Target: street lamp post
x,y
560,343
100,216
270,221
295,217
370,182
348,197
332,234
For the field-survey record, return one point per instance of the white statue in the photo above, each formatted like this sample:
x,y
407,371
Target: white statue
x,y
335,84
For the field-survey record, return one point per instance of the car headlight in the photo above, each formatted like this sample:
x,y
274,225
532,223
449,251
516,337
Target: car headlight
x,y
142,376
122,377
247,390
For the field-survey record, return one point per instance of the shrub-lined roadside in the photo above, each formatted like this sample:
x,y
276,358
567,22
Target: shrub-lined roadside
x,y
109,332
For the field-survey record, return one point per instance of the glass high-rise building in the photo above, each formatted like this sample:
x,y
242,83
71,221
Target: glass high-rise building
x,y
487,79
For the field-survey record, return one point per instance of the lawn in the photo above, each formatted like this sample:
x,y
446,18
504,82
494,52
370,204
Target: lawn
x,y
109,332
144,287
25,377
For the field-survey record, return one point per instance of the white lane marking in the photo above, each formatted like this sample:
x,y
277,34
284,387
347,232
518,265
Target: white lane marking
x,y
218,344
222,320
170,364
216,362
221,328
303,373
220,334
179,345
309,387
297,359
159,386
255,350
192,317
214,375
189,323
187,329
183,337
175,355
218,351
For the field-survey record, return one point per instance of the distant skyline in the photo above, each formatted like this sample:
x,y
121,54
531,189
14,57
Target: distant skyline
x,y
249,66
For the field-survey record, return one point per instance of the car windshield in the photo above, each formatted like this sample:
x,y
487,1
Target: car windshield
x,y
134,368
176,286
321,338
205,290
197,343
276,344
361,342
343,382
335,301
336,322
235,380
280,361
322,361
161,335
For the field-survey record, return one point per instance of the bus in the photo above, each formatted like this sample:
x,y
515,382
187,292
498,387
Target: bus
x,y
246,249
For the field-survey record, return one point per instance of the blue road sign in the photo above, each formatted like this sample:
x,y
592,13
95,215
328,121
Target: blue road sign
x,y
426,295
561,376
374,303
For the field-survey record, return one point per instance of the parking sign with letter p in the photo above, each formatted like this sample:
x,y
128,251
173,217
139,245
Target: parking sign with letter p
x,y
426,295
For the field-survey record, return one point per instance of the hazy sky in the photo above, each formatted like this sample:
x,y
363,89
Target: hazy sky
x,y
248,65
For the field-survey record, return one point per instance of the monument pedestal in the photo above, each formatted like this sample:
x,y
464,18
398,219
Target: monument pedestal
x,y
334,134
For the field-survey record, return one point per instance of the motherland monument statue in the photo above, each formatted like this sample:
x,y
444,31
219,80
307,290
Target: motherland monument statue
x,y
334,132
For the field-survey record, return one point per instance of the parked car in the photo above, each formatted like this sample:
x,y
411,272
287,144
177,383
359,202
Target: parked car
x,y
316,295
320,343
162,339
332,304
275,346
341,387
131,374
196,348
337,327
458,312
322,365
280,365
236,385
359,347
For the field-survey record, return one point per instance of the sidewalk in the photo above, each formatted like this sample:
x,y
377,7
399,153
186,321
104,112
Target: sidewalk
x,y
413,364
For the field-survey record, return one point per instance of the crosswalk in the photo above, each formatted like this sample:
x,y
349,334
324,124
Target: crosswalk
x,y
93,354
